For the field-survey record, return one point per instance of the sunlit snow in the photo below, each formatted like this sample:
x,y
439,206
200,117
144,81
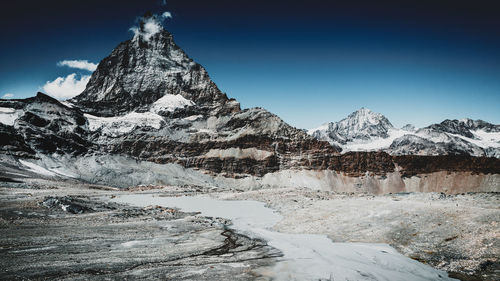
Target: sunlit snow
x,y
8,115
170,103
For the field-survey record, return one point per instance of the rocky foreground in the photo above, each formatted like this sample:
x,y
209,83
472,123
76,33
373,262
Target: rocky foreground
x,y
67,230
63,231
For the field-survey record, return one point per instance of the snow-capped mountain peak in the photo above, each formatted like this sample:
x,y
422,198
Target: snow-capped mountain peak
x,y
142,70
364,118
360,125
365,130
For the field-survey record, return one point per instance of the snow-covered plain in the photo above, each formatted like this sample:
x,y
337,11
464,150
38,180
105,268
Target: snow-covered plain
x,y
305,256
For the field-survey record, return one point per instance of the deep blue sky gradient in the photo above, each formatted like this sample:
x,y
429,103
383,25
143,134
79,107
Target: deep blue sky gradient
x,y
309,62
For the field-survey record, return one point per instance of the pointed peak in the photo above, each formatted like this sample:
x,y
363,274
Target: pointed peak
x,y
365,117
364,113
149,25
363,110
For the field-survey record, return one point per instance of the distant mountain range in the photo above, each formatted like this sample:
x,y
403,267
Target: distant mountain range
x,y
151,115
365,130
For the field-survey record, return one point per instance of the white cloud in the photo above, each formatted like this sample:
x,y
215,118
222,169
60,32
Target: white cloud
x,y
66,87
8,96
79,64
166,15
150,26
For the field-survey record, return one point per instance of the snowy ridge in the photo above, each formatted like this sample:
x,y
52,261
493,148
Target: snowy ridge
x,y
359,126
365,130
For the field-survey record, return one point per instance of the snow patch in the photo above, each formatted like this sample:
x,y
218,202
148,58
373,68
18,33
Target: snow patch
x,y
486,139
67,103
9,115
170,103
37,169
193,117
323,127
377,143
120,125
63,173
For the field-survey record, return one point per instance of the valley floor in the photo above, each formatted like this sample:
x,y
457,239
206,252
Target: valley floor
x,y
68,230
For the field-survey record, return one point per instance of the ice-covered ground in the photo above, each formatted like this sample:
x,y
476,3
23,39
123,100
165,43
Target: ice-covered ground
x,y
306,256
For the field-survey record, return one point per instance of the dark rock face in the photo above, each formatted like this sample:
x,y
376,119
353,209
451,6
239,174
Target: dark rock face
x,y
412,164
139,72
13,143
67,204
464,127
46,126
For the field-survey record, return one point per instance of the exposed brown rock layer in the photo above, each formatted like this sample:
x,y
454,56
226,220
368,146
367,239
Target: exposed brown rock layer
x,y
292,154
413,164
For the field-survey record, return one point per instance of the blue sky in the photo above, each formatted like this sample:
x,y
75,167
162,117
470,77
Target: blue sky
x,y
307,61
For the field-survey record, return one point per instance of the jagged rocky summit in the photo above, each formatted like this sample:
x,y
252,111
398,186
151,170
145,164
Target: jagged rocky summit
x,y
365,130
151,115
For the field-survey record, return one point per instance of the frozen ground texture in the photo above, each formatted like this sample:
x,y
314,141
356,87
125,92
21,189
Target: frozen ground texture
x,y
71,232
66,231
458,234
305,256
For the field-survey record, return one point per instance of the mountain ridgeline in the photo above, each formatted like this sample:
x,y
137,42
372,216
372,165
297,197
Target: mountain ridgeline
x,y
151,115
365,130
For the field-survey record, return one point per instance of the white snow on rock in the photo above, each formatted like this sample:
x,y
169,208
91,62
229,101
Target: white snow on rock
x,y
170,103
323,127
119,125
485,139
365,130
67,103
193,117
234,152
377,143
8,115
37,169
306,256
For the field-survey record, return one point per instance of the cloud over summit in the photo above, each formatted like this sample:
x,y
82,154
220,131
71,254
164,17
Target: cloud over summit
x,y
150,25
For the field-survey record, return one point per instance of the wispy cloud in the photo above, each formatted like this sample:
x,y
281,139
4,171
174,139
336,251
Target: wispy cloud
x,y
66,87
8,96
149,26
166,15
78,64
